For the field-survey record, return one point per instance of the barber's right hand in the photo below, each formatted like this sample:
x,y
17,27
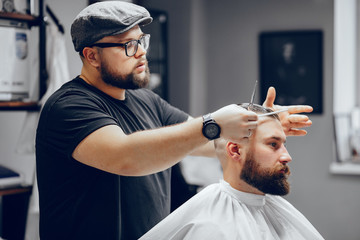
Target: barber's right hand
x,y
236,122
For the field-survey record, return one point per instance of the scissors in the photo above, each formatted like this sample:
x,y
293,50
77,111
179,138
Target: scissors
x,y
251,104
272,113
252,97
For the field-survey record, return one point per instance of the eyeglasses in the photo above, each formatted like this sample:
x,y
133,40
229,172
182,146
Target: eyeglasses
x,y
131,47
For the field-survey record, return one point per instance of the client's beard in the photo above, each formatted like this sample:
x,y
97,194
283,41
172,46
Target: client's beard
x,y
130,81
267,181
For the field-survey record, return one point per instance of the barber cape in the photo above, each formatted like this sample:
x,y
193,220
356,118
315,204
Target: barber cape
x,y
222,212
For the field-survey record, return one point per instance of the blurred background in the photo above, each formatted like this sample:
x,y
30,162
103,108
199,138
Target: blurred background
x,y
207,54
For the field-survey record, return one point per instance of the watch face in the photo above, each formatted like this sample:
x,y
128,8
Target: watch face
x,y
211,130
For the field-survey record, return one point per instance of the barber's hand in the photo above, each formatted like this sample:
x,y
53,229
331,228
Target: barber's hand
x,y
290,120
236,122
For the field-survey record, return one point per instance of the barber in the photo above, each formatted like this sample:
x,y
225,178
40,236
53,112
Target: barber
x,y
104,143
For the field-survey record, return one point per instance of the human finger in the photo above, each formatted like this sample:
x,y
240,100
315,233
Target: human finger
x,y
248,114
252,125
298,124
295,132
270,98
294,118
251,116
299,109
297,121
292,123
246,138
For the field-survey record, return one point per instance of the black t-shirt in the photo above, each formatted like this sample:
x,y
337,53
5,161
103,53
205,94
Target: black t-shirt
x,y
81,202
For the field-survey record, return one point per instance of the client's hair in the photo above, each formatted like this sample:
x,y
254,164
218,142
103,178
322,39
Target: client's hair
x,y
220,142
259,109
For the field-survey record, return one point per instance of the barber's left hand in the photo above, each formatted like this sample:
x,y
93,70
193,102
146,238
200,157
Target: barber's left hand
x,y
290,120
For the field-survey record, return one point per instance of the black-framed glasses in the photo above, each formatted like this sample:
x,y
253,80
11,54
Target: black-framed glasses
x,y
131,47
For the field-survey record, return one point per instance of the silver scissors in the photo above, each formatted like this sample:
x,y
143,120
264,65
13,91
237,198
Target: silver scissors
x,y
251,104
272,113
252,97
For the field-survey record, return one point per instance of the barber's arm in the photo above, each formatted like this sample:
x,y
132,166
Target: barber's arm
x,y
149,151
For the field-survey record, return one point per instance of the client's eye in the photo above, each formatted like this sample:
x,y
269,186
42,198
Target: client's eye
x,y
274,144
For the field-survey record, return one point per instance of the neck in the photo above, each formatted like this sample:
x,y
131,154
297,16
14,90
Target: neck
x,y
94,79
236,182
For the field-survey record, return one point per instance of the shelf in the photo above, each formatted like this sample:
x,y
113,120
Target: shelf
x,y
17,16
345,168
18,19
19,106
15,190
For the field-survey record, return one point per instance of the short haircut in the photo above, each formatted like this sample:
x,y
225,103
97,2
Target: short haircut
x,y
259,109
220,142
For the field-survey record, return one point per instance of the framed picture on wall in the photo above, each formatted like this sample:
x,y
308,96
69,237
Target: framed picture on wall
x,y
291,61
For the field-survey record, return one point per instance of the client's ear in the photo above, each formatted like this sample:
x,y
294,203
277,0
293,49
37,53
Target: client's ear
x,y
235,151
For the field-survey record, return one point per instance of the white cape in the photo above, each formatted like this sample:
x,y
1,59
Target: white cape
x,y
222,212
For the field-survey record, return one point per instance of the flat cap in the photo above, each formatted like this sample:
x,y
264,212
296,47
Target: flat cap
x,y
106,18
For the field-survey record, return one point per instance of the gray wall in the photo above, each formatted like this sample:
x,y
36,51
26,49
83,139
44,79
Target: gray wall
x,y
331,202
179,44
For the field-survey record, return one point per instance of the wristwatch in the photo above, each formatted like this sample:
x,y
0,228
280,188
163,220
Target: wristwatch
x,y
211,130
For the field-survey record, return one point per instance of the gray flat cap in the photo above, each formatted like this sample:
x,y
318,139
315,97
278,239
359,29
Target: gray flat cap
x,y
106,18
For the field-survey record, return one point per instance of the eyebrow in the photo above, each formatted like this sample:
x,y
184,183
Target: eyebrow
x,y
276,138
129,39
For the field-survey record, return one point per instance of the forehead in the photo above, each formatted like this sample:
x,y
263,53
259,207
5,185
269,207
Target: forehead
x,y
269,128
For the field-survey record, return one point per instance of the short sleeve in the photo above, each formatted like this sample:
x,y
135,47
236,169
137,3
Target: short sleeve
x,y
170,114
70,119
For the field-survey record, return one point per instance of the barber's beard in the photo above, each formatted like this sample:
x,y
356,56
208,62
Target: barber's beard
x,y
130,81
266,180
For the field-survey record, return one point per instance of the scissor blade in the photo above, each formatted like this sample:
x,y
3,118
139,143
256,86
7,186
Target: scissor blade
x,y
272,113
252,96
